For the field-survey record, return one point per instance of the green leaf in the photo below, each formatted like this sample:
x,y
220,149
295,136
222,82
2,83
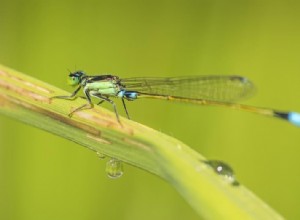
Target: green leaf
x,y
29,100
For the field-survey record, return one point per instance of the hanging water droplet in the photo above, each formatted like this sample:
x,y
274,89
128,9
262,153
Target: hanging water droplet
x,y
100,155
223,169
114,168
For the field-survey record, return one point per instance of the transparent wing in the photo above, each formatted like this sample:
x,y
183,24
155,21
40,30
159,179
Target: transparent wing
x,y
216,87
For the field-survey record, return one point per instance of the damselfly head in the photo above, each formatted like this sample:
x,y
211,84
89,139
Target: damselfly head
x,y
75,78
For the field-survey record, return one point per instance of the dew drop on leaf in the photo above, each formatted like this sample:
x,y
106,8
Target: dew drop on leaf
x,y
224,170
100,155
114,168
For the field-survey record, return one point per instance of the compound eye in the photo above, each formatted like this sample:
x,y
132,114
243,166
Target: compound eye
x,y
73,80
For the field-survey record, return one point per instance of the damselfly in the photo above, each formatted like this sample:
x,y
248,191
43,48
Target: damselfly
x,y
213,90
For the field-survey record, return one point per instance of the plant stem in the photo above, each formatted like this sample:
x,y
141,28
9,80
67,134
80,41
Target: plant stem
x,y
29,100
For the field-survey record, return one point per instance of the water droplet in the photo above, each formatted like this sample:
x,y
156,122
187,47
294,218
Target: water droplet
x,y
100,155
114,168
223,169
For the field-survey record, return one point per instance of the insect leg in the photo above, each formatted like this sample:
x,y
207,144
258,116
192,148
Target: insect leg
x,y
89,105
70,97
123,101
111,102
99,103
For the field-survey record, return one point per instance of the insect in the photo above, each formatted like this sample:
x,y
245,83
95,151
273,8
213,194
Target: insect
x,y
212,90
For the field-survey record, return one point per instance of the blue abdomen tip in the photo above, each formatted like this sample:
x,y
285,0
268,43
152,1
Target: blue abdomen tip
x,y
129,95
121,93
294,118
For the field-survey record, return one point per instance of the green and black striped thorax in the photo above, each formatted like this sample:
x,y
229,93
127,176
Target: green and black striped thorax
x,y
81,78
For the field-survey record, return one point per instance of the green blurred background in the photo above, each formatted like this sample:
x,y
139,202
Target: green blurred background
x,y
45,177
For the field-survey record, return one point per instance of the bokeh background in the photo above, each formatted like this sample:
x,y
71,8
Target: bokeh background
x,y
43,176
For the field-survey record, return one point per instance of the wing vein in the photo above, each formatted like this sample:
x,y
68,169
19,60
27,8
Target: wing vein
x,y
216,87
